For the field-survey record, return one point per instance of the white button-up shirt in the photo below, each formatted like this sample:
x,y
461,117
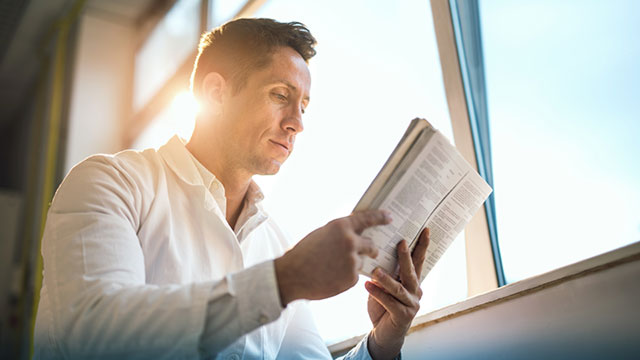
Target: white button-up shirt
x,y
140,262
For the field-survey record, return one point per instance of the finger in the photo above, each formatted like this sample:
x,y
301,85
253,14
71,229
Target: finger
x,y
365,246
392,286
407,270
420,251
363,219
388,302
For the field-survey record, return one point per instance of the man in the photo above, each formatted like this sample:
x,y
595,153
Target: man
x,y
169,254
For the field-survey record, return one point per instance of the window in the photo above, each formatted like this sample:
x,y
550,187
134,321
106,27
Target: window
x,y
377,67
222,11
172,41
562,83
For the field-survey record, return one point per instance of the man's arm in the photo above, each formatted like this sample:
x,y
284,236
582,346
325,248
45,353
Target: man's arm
x,y
240,303
303,341
326,262
98,300
95,276
323,264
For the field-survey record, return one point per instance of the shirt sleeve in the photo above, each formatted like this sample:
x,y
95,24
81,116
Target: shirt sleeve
x,y
361,351
98,301
240,303
358,352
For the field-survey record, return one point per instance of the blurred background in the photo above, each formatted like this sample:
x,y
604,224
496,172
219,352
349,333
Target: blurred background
x,y
559,82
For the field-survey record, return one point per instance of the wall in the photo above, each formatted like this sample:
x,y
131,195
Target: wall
x,y
101,91
11,203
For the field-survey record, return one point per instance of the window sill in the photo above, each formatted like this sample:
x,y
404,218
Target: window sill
x,y
521,288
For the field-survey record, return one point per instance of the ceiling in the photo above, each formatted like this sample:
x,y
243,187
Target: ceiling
x,y
25,26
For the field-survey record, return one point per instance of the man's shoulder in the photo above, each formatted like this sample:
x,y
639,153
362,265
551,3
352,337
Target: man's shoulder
x,y
125,159
129,164
125,172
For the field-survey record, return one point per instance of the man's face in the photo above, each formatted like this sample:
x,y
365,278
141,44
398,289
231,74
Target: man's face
x,y
262,119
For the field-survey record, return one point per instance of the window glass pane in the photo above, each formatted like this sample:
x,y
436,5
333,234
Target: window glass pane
x,y
173,40
563,84
223,10
377,67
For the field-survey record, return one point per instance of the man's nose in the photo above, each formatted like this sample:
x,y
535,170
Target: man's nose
x,y
293,121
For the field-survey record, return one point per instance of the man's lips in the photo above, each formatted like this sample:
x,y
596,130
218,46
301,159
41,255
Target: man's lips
x,y
285,145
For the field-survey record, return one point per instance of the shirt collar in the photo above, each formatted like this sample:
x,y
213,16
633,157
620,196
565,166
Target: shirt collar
x,y
175,153
254,193
191,171
207,176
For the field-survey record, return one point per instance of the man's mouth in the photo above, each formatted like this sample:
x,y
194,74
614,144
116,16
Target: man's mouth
x,y
285,146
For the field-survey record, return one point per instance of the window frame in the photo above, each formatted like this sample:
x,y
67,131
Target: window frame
x,y
465,18
481,262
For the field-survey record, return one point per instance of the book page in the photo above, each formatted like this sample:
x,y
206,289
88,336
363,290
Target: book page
x,y
403,166
453,214
439,190
380,182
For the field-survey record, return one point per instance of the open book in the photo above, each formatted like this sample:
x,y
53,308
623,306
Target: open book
x,y
424,183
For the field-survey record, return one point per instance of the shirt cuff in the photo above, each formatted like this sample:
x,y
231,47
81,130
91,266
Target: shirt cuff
x,y
238,304
358,352
256,290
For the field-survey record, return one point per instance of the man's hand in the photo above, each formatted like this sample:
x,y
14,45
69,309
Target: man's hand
x,y
393,303
326,262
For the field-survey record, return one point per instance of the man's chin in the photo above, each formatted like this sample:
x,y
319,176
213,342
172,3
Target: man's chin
x,y
271,168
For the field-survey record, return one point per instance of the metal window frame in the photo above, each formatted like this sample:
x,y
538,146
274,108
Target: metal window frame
x,y
482,272
465,17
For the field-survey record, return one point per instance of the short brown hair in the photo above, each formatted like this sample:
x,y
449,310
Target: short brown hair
x,y
244,45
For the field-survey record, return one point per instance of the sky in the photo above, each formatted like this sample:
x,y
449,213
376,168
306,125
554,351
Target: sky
x,y
563,87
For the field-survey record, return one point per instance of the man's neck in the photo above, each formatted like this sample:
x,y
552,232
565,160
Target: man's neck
x,y
235,181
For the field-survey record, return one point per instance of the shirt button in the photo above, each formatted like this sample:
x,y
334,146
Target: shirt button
x,y
263,319
233,357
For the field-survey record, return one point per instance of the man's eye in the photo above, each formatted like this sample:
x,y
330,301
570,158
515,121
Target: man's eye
x,y
280,97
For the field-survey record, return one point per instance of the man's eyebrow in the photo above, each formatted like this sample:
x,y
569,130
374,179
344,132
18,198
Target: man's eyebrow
x,y
289,85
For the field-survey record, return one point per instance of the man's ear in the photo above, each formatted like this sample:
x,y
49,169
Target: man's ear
x,y
213,86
